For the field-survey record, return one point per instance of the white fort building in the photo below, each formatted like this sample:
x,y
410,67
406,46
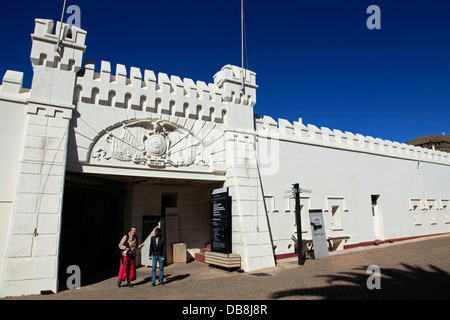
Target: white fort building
x,y
88,153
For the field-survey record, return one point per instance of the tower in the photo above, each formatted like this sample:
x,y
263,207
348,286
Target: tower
x,y
251,237
31,258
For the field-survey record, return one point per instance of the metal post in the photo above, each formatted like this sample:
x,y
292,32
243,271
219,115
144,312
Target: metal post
x,y
298,219
60,28
242,42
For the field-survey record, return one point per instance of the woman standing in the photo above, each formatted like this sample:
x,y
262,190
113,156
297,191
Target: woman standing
x,y
128,246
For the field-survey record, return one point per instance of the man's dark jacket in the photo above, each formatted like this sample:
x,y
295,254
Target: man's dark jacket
x,y
158,249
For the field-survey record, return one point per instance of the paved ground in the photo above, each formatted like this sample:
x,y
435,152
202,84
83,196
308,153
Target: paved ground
x,y
414,269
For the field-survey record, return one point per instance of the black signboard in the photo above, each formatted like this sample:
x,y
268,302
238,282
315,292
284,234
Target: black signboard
x,y
221,221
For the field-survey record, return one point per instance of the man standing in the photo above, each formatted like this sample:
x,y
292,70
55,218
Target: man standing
x,y
158,251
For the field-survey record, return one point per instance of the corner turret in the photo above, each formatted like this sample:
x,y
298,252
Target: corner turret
x,y
240,99
55,70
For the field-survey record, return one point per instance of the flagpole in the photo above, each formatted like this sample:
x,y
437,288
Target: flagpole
x,y
60,27
242,42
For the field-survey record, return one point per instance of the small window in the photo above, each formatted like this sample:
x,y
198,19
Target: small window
x,y
336,207
446,210
270,203
431,206
415,208
335,214
374,199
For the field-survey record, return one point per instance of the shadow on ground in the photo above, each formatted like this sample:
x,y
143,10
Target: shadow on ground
x,y
411,282
167,279
87,277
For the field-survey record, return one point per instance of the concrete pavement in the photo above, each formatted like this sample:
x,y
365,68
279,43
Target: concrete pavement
x,y
413,269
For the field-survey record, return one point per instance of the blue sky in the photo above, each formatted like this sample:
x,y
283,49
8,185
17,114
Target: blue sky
x,y
314,59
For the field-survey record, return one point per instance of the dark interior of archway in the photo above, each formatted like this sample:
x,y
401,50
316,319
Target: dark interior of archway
x,y
91,228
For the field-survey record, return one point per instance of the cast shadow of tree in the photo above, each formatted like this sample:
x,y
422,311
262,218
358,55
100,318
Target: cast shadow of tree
x,y
412,282
167,279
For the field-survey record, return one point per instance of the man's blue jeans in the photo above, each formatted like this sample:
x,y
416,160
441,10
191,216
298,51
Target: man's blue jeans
x,y
157,259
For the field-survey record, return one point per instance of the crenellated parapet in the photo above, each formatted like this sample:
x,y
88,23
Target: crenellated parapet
x,y
230,80
11,87
45,39
157,94
56,56
267,127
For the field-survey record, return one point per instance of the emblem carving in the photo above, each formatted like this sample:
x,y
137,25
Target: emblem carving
x,y
155,143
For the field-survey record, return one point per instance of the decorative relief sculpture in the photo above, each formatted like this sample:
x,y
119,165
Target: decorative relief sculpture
x,y
155,143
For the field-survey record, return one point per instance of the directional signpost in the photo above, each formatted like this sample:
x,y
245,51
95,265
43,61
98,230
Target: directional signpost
x,y
296,195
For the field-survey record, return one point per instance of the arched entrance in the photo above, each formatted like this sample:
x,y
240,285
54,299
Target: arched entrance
x,y
92,221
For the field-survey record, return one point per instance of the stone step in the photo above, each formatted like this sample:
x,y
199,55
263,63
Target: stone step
x,y
200,256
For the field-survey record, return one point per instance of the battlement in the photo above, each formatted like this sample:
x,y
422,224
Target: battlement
x,y
45,40
162,94
12,82
11,87
298,132
229,79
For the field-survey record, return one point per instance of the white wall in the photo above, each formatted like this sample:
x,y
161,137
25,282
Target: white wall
x,y
31,258
347,177
12,124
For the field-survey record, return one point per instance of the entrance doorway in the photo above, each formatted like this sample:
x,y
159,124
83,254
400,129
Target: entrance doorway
x,y
91,228
169,218
376,216
168,201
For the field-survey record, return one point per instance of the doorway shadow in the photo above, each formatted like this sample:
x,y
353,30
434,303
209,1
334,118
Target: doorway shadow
x,y
89,277
409,283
